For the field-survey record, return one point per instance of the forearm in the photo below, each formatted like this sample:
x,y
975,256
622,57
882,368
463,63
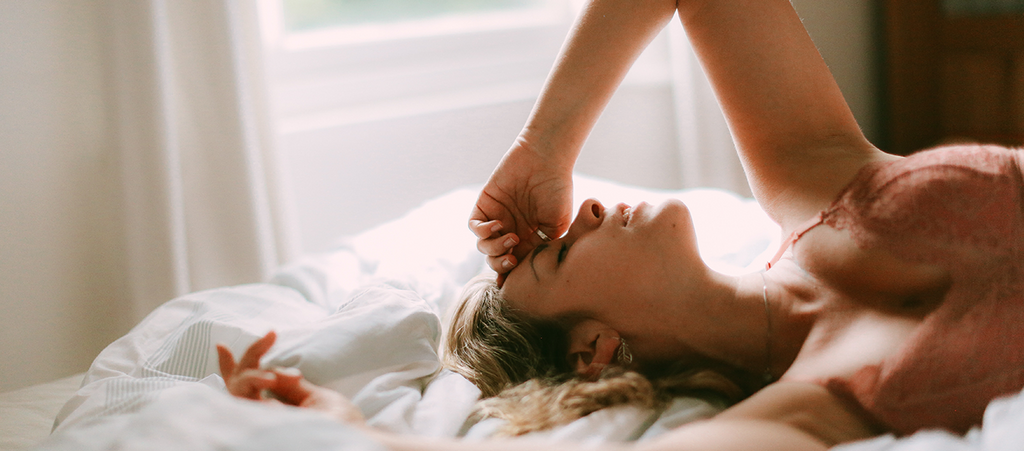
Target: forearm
x,y
605,41
699,436
734,436
784,416
411,443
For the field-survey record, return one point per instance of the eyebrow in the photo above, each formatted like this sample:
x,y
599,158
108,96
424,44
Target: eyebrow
x,y
533,255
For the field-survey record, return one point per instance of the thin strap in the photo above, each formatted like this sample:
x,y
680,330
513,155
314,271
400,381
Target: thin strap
x,y
794,236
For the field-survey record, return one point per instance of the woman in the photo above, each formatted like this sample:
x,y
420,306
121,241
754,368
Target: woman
x,y
899,268
902,275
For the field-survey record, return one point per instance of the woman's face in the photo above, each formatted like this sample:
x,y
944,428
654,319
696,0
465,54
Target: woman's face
x,y
620,266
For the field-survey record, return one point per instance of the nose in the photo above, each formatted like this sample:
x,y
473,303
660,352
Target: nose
x,y
590,216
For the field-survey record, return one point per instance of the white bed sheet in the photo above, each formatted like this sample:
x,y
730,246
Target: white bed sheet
x,y
365,319
26,415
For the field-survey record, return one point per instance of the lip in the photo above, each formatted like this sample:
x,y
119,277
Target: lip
x,y
625,212
637,209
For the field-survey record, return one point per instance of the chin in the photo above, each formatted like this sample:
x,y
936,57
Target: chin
x,y
674,207
676,215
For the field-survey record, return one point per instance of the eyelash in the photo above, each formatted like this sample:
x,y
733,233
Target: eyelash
x,y
561,252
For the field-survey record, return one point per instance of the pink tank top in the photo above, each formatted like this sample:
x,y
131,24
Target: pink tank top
x,y
963,208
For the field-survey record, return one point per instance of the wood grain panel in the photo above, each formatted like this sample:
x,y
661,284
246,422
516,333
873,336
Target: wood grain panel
x,y
974,95
1017,96
912,64
983,33
958,78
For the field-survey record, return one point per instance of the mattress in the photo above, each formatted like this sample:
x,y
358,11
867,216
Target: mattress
x,y
26,415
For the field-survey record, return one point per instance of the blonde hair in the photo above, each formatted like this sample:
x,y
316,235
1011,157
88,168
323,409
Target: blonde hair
x,y
521,369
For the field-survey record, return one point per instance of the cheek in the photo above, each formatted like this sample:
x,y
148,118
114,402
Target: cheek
x,y
520,291
621,279
547,300
610,264
599,280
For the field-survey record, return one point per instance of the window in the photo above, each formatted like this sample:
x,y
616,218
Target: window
x,y
379,105
304,15
331,62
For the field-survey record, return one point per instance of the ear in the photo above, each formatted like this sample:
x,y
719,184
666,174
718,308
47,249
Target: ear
x,y
592,346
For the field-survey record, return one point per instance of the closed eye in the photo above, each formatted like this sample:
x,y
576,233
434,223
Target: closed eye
x,y
561,252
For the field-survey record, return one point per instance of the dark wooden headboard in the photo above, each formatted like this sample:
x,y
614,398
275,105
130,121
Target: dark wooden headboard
x,y
952,77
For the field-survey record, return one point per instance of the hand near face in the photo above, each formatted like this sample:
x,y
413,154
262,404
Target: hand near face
x,y
245,379
526,191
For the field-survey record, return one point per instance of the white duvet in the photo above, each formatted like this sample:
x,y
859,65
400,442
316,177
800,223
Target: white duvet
x,y
365,318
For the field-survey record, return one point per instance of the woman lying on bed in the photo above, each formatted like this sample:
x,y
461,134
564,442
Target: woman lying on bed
x,y
897,310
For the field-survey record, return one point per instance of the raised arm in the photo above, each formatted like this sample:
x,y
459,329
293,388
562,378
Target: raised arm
x,y
796,136
607,38
532,186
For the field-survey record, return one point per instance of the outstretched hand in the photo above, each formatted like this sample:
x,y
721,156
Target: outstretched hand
x,y
245,379
525,193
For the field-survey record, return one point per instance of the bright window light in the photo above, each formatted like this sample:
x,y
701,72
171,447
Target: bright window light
x,y
306,15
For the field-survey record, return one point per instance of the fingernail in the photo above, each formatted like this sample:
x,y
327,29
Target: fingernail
x,y
510,242
287,371
506,264
496,227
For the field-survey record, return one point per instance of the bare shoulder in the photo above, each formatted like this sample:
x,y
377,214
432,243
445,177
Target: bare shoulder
x,y
807,407
787,416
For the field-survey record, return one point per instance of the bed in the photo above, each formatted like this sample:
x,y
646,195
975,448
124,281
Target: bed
x,y
365,318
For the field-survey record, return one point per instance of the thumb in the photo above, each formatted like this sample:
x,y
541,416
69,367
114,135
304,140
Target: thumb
x,y
291,387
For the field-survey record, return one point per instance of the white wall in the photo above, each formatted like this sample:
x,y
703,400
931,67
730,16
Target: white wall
x,y
847,33
61,285
336,171
378,170
63,292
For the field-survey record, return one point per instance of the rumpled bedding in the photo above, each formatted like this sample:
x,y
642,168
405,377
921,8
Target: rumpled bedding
x,y
365,318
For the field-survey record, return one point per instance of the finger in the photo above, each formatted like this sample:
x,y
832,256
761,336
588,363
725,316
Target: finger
x,y
530,243
227,361
485,229
274,401
251,383
291,387
502,264
544,234
497,246
252,356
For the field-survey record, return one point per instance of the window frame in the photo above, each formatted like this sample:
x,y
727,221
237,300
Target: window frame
x,y
338,76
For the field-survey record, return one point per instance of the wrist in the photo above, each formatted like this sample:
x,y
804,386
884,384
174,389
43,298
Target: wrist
x,y
555,151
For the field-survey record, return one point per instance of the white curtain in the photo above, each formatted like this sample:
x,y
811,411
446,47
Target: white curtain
x,y
707,155
202,204
203,190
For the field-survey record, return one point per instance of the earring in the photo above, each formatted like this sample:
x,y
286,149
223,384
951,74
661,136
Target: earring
x,y
624,356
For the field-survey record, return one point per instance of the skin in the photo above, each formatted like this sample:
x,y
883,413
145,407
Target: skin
x,y
796,137
807,416
834,306
280,386
607,277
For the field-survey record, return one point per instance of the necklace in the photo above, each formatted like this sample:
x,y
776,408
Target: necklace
x,y
767,376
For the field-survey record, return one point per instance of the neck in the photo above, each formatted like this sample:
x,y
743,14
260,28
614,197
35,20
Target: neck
x,y
736,331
